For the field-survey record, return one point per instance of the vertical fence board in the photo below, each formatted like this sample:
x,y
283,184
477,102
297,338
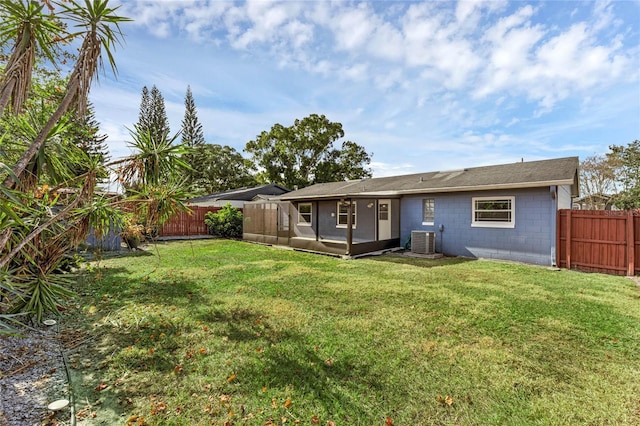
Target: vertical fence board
x,y
636,239
599,241
187,224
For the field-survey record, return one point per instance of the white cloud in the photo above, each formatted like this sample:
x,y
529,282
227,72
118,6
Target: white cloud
x,y
472,81
356,72
353,27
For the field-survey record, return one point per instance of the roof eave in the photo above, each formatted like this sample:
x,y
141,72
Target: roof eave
x,y
470,188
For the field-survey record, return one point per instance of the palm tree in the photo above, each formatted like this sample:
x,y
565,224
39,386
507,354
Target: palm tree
x,y
157,158
101,30
34,240
34,32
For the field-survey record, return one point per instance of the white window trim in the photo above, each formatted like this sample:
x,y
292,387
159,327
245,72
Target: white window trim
x,y
434,211
487,224
355,216
302,222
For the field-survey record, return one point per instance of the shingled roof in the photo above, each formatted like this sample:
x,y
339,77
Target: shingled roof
x,y
531,174
243,194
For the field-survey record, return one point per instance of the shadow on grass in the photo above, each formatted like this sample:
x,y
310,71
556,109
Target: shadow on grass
x,y
421,262
91,255
339,386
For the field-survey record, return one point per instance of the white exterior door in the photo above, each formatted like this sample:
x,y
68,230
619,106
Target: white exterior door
x,y
384,219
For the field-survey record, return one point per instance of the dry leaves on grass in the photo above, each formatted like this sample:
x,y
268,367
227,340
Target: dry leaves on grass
x,y
135,421
86,413
447,400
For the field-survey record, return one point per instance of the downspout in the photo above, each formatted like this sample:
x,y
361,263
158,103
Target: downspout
x,y
349,227
554,221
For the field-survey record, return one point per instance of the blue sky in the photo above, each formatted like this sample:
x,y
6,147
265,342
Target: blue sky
x,y
424,86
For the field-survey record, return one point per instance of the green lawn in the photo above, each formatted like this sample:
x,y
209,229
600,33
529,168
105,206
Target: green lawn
x,y
223,332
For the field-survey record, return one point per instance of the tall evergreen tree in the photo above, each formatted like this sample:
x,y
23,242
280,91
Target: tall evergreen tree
x,y
192,134
144,117
159,125
153,116
85,135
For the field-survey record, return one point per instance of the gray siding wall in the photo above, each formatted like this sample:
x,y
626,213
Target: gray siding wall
x,y
365,229
564,197
395,218
325,218
304,231
531,241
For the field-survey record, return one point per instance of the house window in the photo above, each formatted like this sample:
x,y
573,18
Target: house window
x,y
343,214
428,211
493,212
304,214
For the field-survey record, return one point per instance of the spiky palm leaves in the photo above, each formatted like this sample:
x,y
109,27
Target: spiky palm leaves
x,y
42,226
32,32
149,176
101,31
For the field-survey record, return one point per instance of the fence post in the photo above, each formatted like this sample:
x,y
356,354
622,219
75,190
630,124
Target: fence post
x,y
631,255
568,239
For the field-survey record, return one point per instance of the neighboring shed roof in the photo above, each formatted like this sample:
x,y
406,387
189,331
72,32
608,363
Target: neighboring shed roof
x,y
242,194
560,171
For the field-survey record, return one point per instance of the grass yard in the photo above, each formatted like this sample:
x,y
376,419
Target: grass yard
x,y
231,333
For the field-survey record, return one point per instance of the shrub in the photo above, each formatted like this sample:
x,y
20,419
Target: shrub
x,y
132,233
225,223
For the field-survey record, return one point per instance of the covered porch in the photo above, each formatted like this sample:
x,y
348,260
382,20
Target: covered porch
x,y
343,227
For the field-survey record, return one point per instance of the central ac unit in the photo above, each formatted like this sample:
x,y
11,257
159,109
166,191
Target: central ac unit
x,y
423,242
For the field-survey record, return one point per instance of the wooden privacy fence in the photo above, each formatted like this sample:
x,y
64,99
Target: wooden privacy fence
x,y
187,224
606,241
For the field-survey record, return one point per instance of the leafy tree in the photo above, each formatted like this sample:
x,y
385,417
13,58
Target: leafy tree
x,y
629,174
598,177
217,168
225,223
304,154
192,133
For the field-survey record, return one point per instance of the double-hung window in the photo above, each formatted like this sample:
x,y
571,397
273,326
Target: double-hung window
x,y
343,214
493,212
305,214
428,211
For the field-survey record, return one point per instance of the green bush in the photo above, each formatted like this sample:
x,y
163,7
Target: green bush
x,y
225,223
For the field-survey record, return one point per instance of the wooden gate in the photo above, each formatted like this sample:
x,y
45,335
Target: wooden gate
x,y
187,224
606,241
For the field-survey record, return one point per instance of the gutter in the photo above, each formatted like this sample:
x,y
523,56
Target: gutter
x,y
399,193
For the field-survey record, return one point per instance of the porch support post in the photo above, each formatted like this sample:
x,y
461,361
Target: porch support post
x,y
315,207
349,226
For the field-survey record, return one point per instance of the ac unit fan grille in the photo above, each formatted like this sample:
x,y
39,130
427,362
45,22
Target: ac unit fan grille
x,y
423,242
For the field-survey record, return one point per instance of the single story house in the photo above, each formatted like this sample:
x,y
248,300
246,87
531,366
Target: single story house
x,y
504,211
191,224
237,197
595,202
